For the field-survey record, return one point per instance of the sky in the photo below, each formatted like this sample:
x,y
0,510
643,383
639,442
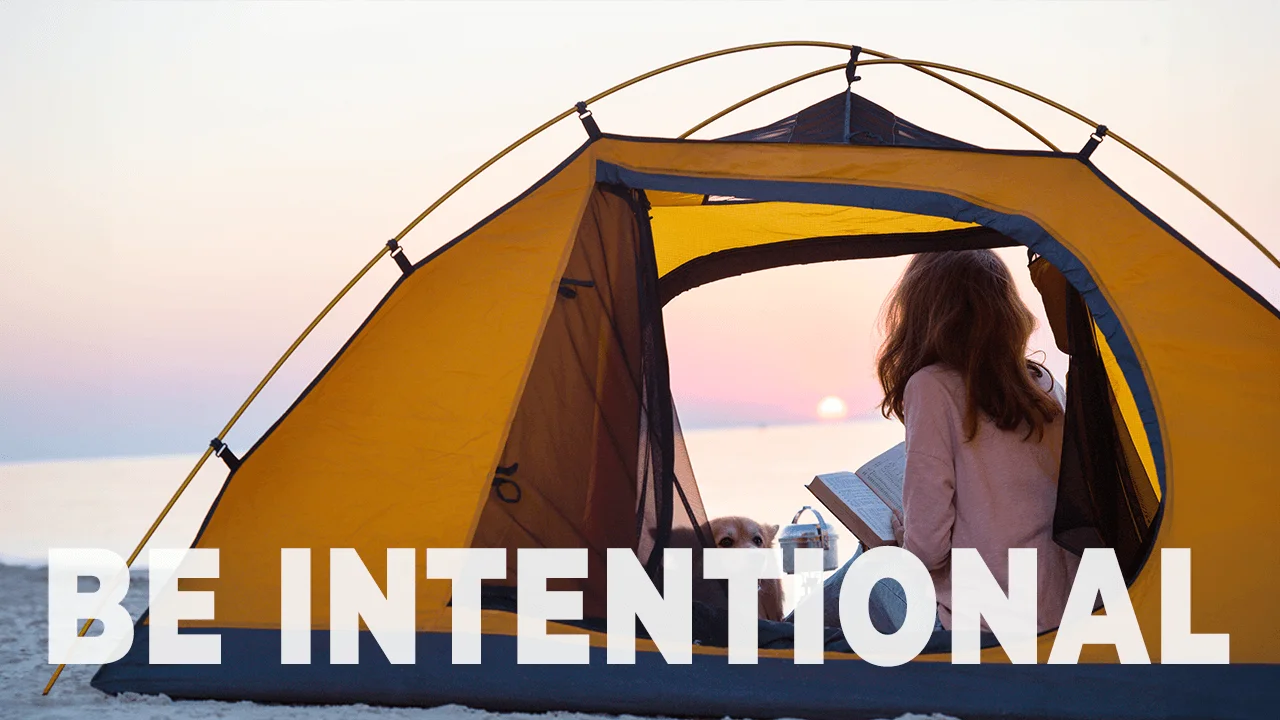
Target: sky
x,y
184,185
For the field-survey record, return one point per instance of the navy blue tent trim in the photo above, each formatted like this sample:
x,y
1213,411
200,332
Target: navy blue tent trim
x,y
922,202
709,687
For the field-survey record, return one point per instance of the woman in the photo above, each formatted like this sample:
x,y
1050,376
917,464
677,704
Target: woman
x,y
983,431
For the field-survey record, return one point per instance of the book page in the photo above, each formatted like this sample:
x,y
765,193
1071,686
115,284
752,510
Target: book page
x,y
862,501
884,475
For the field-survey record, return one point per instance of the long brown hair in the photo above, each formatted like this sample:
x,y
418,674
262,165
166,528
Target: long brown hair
x,y
960,308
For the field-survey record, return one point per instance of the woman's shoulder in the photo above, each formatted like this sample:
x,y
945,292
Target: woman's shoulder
x,y
935,379
937,373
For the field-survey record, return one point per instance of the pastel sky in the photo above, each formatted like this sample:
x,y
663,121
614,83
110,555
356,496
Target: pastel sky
x,y
184,185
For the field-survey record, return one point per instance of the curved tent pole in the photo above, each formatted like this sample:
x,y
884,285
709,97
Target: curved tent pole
x,y
137,550
924,67
387,248
1063,108
882,59
1213,206
973,94
605,94
937,76
757,96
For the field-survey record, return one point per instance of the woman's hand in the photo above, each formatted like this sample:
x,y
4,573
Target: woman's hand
x,y
896,523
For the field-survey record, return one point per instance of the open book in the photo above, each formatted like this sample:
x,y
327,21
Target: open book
x,y
864,501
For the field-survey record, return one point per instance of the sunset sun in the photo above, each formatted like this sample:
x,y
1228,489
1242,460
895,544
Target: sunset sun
x,y
833,408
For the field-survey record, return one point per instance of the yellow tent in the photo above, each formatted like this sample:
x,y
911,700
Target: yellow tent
x,y
510,390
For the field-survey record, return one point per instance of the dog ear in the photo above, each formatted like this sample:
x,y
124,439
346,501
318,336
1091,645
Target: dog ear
x,y
770,532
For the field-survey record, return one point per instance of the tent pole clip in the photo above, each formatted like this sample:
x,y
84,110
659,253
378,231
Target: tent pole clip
x,y
588,122
851,70
851,75
567,290
220,450
1094,140
500,482
397,254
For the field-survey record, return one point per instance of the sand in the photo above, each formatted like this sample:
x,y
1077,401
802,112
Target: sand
x,y
108,503
23,673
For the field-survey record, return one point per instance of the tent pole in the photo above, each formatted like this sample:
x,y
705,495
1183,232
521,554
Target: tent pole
x,y
298,341
924,67
973,94
1213,206
385,249
757,96
600,96
137,550
833,68
882,59
919,64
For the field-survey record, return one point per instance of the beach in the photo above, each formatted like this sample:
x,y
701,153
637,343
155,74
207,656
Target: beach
x,y
109,503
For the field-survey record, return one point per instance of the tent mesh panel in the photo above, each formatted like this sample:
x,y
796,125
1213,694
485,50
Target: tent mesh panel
x,y
1105,498
595,458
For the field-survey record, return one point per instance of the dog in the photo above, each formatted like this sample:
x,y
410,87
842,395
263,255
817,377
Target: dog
x,y
741,532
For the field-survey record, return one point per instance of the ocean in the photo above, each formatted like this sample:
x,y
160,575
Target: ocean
x,y
759,472
109,503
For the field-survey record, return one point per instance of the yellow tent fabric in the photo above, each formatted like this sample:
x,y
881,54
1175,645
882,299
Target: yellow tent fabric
x,y
511,391
1201,341
396,443
686,232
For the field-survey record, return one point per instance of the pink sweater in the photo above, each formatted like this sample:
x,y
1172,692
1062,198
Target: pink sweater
x,y
992,493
